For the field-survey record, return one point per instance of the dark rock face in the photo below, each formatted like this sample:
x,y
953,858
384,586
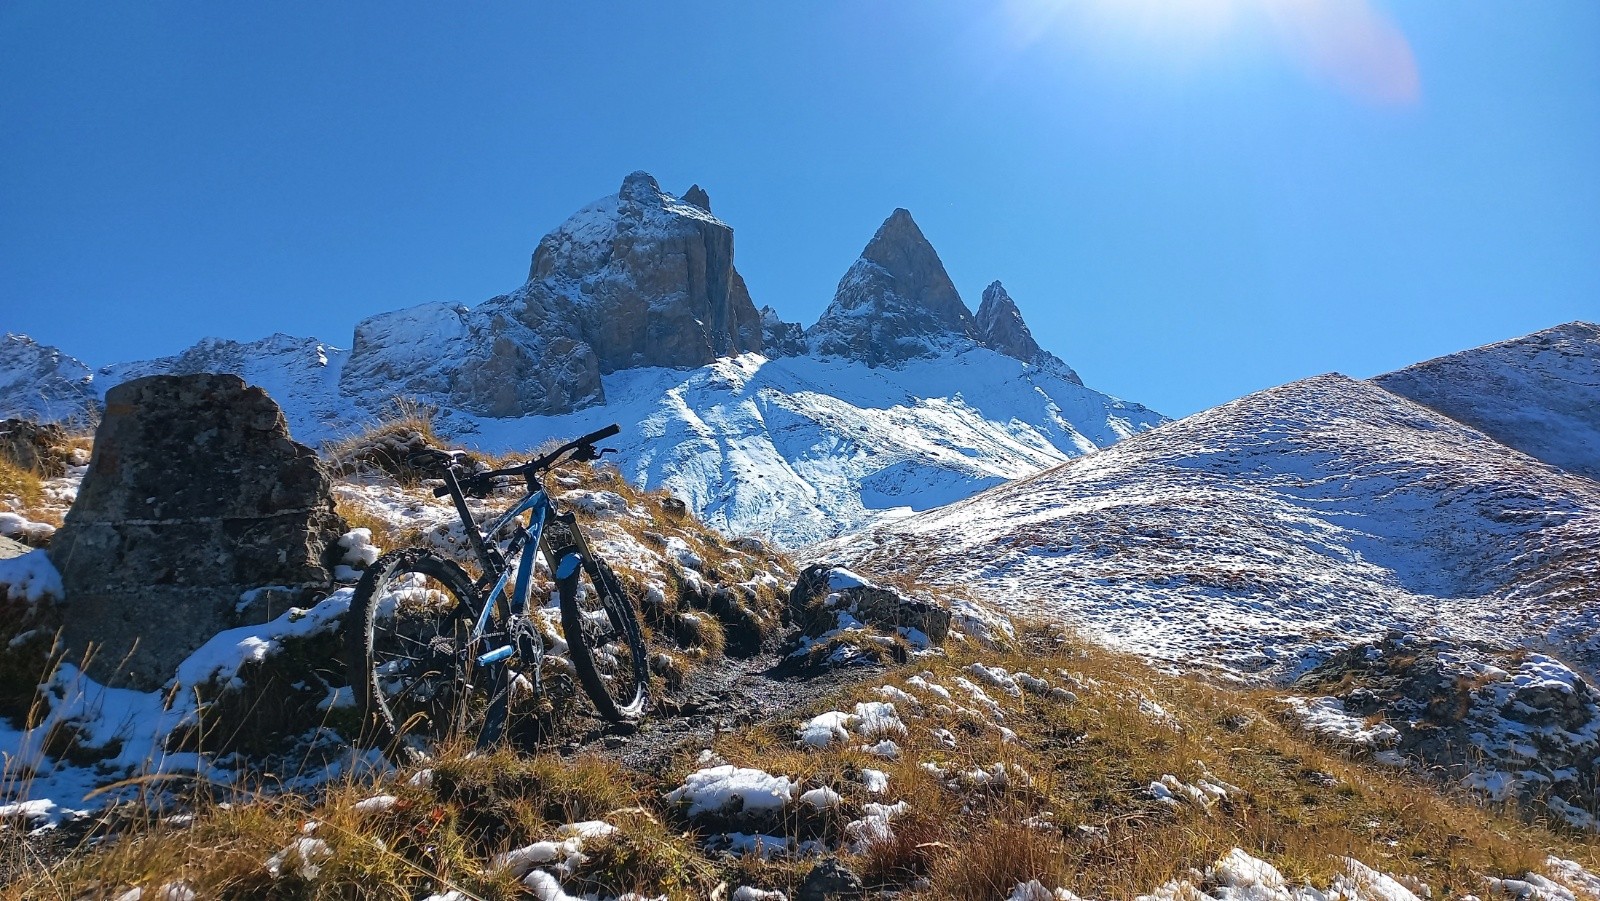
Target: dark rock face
x,y
1000,325
637,279
1000,328
647,279
698,196
779,338
894,303
194,496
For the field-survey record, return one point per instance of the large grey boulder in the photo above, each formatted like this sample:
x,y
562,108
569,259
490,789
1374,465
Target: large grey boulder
x,y
195,499
895,303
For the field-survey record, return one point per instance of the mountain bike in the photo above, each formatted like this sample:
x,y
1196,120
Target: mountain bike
x,y
434,652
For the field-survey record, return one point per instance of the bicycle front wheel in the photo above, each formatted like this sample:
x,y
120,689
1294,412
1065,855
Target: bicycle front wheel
x,y
603,634
409,656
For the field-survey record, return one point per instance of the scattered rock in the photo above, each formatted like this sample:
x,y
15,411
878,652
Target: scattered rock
x,y
194,496
9,548
830,880
823,589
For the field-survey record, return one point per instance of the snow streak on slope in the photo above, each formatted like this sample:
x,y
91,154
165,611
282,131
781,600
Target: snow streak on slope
x,y
1539,393
1252,535
803,449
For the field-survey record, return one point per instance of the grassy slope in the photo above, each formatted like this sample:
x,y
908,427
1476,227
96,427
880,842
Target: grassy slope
x,y
1089,763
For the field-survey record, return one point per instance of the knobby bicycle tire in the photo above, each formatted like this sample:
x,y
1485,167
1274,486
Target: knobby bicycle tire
x,y
407,655
624,694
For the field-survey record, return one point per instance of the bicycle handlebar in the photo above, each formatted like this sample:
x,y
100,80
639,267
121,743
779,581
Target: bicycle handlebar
x,y
584,448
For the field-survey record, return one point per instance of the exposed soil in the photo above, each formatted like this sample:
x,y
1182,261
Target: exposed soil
x,y
716,698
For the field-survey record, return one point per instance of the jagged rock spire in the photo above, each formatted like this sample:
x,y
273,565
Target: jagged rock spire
x,y
895,302
698,196
1000,325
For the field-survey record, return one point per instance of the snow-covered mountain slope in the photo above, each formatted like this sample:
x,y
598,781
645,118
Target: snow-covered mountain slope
x,y
301,374
38,381
802,449
1257,535
1539,393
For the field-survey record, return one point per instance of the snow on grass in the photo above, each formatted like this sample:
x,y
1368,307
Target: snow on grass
x,y
1263,535
730,789
303,857
1327,718
870,719
22,529
130,728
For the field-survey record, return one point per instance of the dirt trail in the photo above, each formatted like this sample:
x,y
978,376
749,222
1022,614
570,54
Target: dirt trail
x,y
734,693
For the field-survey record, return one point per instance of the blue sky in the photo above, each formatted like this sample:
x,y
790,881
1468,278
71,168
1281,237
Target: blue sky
x,y
1189,199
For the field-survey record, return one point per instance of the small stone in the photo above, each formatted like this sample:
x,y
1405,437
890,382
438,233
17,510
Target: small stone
x,y
830,880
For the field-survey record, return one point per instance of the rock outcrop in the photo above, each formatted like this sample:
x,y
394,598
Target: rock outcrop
x,y
1001,329
640,278
895,303
39,447
779,338
647,279
198,513
484,360
40,382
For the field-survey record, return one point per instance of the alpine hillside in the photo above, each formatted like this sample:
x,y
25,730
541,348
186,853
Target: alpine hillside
x,y
1258,537
898,399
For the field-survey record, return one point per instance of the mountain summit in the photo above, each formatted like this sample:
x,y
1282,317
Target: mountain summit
x,y
895,303
639,278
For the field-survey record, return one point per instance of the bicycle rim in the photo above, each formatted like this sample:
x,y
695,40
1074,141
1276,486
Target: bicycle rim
x,y
414,679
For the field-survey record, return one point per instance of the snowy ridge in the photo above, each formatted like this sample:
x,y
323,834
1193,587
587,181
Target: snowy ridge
x,y
1539,393
1258,536
802,449
40,382
301,374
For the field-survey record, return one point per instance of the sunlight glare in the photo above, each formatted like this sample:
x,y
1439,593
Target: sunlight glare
x,y
1349,44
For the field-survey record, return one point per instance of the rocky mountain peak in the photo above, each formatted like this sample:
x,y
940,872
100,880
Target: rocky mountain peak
x,y
697,195
638,278
896,302
1000,328
1000,325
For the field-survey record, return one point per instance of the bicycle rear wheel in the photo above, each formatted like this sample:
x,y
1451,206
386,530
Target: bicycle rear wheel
x,y
410,664
603,634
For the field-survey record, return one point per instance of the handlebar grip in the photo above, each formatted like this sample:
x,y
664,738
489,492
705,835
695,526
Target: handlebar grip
x,y
601,435
441,491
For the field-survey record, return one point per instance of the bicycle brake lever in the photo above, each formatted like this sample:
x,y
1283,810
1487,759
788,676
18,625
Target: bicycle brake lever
x,y
605,450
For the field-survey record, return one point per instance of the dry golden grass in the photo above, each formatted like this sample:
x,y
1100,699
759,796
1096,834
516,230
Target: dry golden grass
x,y
23,485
